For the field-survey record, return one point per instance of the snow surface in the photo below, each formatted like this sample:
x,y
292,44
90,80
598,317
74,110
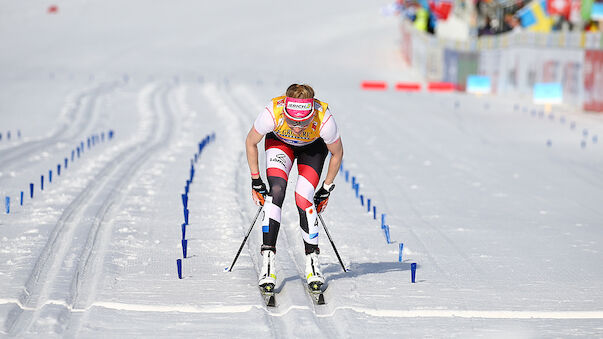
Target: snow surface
x,y
496,200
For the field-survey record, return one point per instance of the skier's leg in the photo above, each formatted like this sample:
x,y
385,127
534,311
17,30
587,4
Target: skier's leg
x,y
279,159
310,161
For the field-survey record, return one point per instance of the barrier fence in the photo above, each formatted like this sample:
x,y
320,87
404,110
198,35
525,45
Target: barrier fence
x,y
514,62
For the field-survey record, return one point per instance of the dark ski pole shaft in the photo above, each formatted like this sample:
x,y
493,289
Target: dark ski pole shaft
x,y
332,243
245,239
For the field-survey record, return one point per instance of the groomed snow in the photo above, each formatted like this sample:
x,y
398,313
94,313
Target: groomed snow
x,y
497,201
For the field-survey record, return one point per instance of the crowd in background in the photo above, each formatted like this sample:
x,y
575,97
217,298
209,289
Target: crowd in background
x,y
491,17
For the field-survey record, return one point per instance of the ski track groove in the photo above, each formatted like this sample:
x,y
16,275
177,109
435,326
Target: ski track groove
x,y
68,132
44,273
232,100
87,274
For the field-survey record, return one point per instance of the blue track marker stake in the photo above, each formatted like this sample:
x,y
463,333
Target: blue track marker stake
x,y
49,176
102,136
183,231
353,182
347,176
179,264
361,199
186,216
78,151
82,146
88,141
386,230
413,272
184,245
400,252
41,182
31,187
185,200
110,134
21,202
7,205
368,205
0,136
72,155
66,163
59,169
19,133
356,188
374,212
8,135
382,219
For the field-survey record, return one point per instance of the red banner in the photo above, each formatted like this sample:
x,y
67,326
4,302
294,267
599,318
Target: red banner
x,y
593,80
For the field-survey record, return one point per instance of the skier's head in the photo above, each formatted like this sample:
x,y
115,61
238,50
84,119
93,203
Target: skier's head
x,y
299,106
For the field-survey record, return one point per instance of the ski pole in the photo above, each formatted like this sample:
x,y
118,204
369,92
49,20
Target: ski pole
x,y
332,243
245,239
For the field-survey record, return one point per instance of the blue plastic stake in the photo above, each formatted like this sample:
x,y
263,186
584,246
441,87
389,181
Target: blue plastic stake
x,y
386,229
49,176
413,272
368,205
7,205
185,200
31,187
59,169
347,176
361,199
400,252
184,245
78,151
353,182
183,231
102,136
179,264
8,135
41,182
374,212
382,219
111,134
66,163
72,155
356,189
21,198
186,216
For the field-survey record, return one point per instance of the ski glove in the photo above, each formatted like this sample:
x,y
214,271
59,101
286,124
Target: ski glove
x,y
258,191
321,198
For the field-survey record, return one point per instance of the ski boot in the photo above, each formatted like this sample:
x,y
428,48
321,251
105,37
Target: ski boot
x,y
314,276
268,273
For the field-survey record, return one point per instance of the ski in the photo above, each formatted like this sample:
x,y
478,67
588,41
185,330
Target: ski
x,y
268,295
317,294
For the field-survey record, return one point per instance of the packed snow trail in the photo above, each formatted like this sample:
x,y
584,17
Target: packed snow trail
x,y
496,201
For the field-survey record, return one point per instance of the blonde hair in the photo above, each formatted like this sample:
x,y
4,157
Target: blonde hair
x,y
302,91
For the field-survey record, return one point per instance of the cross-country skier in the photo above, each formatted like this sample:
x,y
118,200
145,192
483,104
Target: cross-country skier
x,y
296,126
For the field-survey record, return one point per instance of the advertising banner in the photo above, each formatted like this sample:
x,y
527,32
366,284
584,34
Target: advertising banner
x,y
467,64
490,65
451,64
593,80
479,84
406,43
